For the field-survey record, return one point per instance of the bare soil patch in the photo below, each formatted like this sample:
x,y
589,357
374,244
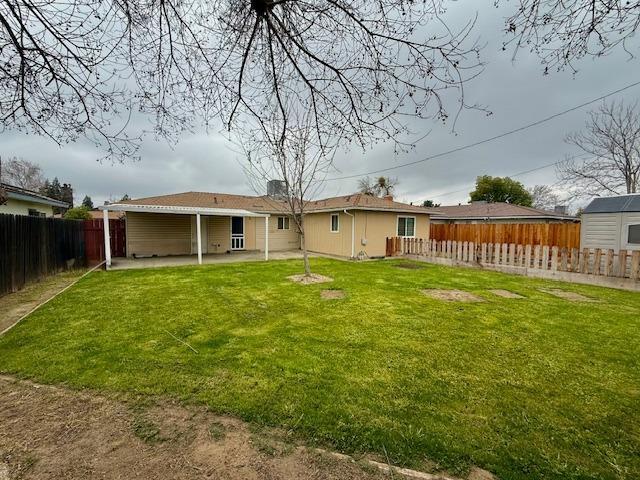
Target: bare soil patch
x,y
566,295
50,432
14,306
451,295
332,294
506,293
310,279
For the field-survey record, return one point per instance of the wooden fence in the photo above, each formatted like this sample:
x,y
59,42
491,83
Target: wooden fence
x,y
551,234
623,264
94,239
34,247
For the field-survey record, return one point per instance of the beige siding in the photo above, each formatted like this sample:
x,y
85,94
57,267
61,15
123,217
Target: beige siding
x,y
218,234
20,207
278,239
371,230
600,230
158,234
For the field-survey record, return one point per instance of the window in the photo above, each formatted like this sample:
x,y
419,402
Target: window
x,y
335,222
633,234
35,213
406,226
283,223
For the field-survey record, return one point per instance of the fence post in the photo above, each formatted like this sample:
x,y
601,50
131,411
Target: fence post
x,y
554,258
635,265
564,260
608,264
527,256
597,261
545,257
622,263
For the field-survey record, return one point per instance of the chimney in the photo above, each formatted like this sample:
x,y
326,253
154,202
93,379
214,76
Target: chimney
x,y
277,189
388,197
560,209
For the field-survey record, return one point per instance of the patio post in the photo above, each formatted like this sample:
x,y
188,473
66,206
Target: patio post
x,y
107,238
266,237
199,239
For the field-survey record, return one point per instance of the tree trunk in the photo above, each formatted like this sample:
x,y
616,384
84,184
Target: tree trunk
x,y
303,246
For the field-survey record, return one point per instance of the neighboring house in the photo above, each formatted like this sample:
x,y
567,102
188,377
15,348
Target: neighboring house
x,y
98,215
347,226
25,202
499,212
612,223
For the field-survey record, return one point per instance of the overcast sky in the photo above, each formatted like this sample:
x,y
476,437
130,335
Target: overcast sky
x,y
516,93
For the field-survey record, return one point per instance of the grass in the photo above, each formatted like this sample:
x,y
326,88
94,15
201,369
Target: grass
x,y
538,387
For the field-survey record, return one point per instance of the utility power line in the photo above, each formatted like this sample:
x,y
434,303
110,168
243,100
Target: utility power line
x,y
487,140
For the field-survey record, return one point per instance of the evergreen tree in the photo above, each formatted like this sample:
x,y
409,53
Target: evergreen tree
x,y
87,202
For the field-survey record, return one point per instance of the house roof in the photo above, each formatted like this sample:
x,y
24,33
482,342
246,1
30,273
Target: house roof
x,y
619,203
265,204
18,193
488,210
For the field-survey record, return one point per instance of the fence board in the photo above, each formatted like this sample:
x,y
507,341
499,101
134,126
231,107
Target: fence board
x,y
34,247
551,234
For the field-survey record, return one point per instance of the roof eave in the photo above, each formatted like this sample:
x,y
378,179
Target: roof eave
x,y
176,209
37,199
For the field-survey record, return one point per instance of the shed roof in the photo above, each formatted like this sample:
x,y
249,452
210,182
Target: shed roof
x,y
619,203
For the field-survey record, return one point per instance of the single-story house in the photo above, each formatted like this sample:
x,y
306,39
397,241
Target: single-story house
x,y
217,223
20,201
499,212
612,223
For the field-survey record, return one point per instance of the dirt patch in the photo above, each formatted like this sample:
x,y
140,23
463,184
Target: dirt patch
x,y
506,294
310,279
566,295
332,294
410,266
15,305
451,295
51,432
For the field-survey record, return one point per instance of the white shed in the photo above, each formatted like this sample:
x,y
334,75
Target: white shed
x,y
612,222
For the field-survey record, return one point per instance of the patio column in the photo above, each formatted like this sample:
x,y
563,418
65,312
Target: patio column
x,y
266,237
199,239
107,238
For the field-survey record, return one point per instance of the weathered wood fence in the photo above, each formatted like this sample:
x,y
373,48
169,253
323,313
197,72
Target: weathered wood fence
x,y
34,247
551,234
608,263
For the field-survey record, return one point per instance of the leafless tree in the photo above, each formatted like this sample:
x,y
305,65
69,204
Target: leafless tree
x,y
611,144
70,69
544,197
561,32
296,161
381,186
21,173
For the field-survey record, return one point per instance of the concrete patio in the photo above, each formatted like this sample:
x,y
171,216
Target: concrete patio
x,y
178,260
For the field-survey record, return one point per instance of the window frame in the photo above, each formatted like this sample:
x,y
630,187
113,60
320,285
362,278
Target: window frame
x,y
285,221
337,215
626,242
415,222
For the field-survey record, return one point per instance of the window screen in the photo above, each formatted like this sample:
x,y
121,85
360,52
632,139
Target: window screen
x,y
634,234
283,223
406,226
335,222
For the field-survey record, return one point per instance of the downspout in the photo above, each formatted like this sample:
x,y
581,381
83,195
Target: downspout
x,y
353,233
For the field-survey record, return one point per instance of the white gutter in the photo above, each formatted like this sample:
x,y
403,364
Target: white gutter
x,y
353,233
233,212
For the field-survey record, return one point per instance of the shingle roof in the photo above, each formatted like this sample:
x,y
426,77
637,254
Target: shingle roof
x,y
265,204
620,203
495,210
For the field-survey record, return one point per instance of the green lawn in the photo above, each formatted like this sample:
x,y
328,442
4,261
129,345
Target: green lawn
x,y
538,387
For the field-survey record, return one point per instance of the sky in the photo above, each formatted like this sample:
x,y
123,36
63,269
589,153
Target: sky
x,y
516,92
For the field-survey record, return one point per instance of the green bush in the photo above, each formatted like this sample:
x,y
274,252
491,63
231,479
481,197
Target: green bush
x,y
77,213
